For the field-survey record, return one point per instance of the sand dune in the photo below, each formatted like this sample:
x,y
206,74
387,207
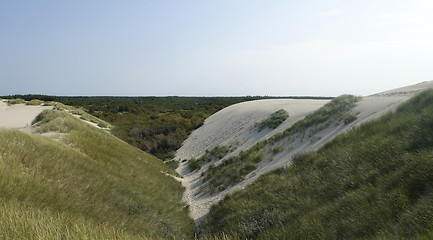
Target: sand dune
x,y
233,125
19,115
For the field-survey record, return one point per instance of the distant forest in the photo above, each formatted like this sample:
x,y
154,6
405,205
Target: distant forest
x,y
157,125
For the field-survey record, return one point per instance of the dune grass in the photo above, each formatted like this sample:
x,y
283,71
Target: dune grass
x,y
374,182
16,101
91,183
35,102
274,120
215,154
19,221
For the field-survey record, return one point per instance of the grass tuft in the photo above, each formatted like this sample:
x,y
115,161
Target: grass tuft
x,y
274,120
215,154
16,101
35,102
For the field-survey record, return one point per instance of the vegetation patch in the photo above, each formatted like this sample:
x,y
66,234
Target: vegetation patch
x,y
373,182
274,120
35,102
215,154
16,101
232,170
334,111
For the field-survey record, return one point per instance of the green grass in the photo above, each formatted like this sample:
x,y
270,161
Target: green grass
x,y
234,169
89,184
336,111
19,221
83,115
215,154
374,182
274,120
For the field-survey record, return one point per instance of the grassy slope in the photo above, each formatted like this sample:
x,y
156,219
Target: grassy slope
x,y
90,184
373,182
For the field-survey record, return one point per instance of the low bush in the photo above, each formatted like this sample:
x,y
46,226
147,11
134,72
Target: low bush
x,y
35,102
276,149
16,101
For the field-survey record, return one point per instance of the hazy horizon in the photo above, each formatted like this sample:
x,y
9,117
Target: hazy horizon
x,y
222,48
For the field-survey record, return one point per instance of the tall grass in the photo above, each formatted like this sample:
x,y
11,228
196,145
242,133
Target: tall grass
x,y
35,102
92,179
375,182
16,101
215,154
18,221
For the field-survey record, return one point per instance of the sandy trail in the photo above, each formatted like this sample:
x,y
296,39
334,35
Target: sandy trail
x,y
233,126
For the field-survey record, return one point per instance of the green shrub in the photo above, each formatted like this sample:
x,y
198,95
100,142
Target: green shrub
x,y
16,101
173,164
348,117
35,102
276,149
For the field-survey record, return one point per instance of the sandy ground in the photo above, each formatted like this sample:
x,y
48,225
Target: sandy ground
x,y
233,126
19,115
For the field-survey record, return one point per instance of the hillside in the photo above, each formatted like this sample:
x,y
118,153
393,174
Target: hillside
x,y
373,182
71,179
230,151
347,168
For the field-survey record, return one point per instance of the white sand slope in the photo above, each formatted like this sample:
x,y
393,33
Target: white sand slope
x,y
233,126
19,115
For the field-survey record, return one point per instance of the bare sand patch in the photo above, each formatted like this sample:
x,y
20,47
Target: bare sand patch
x,y
19,115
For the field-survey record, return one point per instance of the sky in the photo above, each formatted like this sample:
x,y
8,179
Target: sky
x,y
213,48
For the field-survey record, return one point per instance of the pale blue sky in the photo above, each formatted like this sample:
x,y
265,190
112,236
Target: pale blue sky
x,y
213,48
